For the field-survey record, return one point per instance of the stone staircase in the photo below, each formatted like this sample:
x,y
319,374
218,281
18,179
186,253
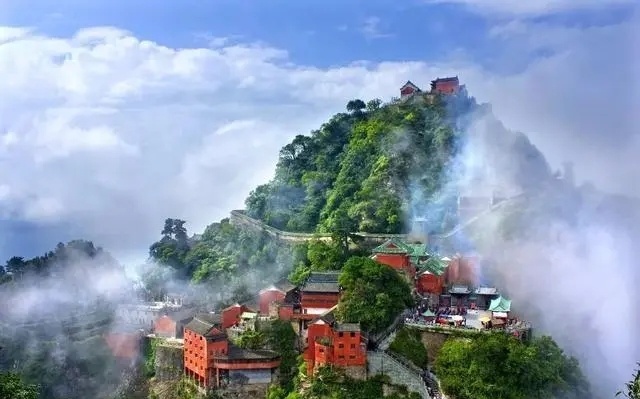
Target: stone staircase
x,y
386,342
380,362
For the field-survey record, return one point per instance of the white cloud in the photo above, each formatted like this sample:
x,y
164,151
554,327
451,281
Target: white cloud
x,y
114,133
532,7
371,29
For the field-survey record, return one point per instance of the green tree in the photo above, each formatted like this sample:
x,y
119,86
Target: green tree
x,y
632,388
408,343
374,294
356,106
281,338
500,366
13,387
251,340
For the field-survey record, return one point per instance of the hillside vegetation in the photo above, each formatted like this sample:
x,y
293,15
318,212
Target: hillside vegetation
x,y
362,170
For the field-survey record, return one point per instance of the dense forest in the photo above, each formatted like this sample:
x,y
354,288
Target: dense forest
x,y
364,170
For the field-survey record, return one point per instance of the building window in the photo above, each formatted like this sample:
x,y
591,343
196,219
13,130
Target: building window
x,y
341,357
340,334
340,345
352,334
352,356
321,350
353,346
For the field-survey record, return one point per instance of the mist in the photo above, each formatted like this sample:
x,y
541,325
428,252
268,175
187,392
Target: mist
x,y
566,255
54,318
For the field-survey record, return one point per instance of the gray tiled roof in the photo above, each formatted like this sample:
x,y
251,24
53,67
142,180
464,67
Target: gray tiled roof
x,y
321,287
459,289
203,323
323,277
349,327
236,353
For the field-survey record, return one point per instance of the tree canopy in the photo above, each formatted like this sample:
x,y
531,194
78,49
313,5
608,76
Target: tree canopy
x,y
500,366
632,388
12,386
374,294
362,170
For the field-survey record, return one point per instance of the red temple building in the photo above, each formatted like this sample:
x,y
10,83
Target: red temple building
x,y
231,315
431,278
401,256
212,362
280,293
336,344
445,85
319,293
409,89
171,325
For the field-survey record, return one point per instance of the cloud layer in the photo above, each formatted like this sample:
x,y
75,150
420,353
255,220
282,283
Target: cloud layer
x,y
112,133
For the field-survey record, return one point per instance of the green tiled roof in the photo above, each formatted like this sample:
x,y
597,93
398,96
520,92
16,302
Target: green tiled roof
x,y
433,265
401,247
428,313
397,247
500,304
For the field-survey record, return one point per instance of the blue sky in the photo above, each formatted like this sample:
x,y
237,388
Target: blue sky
x,y
314,32
119,105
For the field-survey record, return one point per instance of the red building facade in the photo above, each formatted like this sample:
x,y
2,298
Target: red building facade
x,y
445,85
231,315
429,282
318,294
280,293
336,344
171,325
409,89
212,362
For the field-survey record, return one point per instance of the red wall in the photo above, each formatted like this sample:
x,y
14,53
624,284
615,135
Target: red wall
x,y
164,326
397,261
344,350
285,313
407,90
462,270
351,353
231,315
318,300
430,283
448,87
198,353
267,297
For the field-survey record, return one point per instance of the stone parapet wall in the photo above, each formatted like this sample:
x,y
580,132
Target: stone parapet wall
x,y
240,218
379,362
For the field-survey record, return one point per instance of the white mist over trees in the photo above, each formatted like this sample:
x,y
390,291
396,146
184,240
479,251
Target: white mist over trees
x,y
564,254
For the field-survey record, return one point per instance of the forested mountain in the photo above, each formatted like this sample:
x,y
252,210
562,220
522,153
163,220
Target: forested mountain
x,y
370,169
362,170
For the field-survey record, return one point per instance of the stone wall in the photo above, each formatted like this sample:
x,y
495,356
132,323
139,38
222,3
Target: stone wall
x,y
240,218
356,372
253,391
379,362
168,362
